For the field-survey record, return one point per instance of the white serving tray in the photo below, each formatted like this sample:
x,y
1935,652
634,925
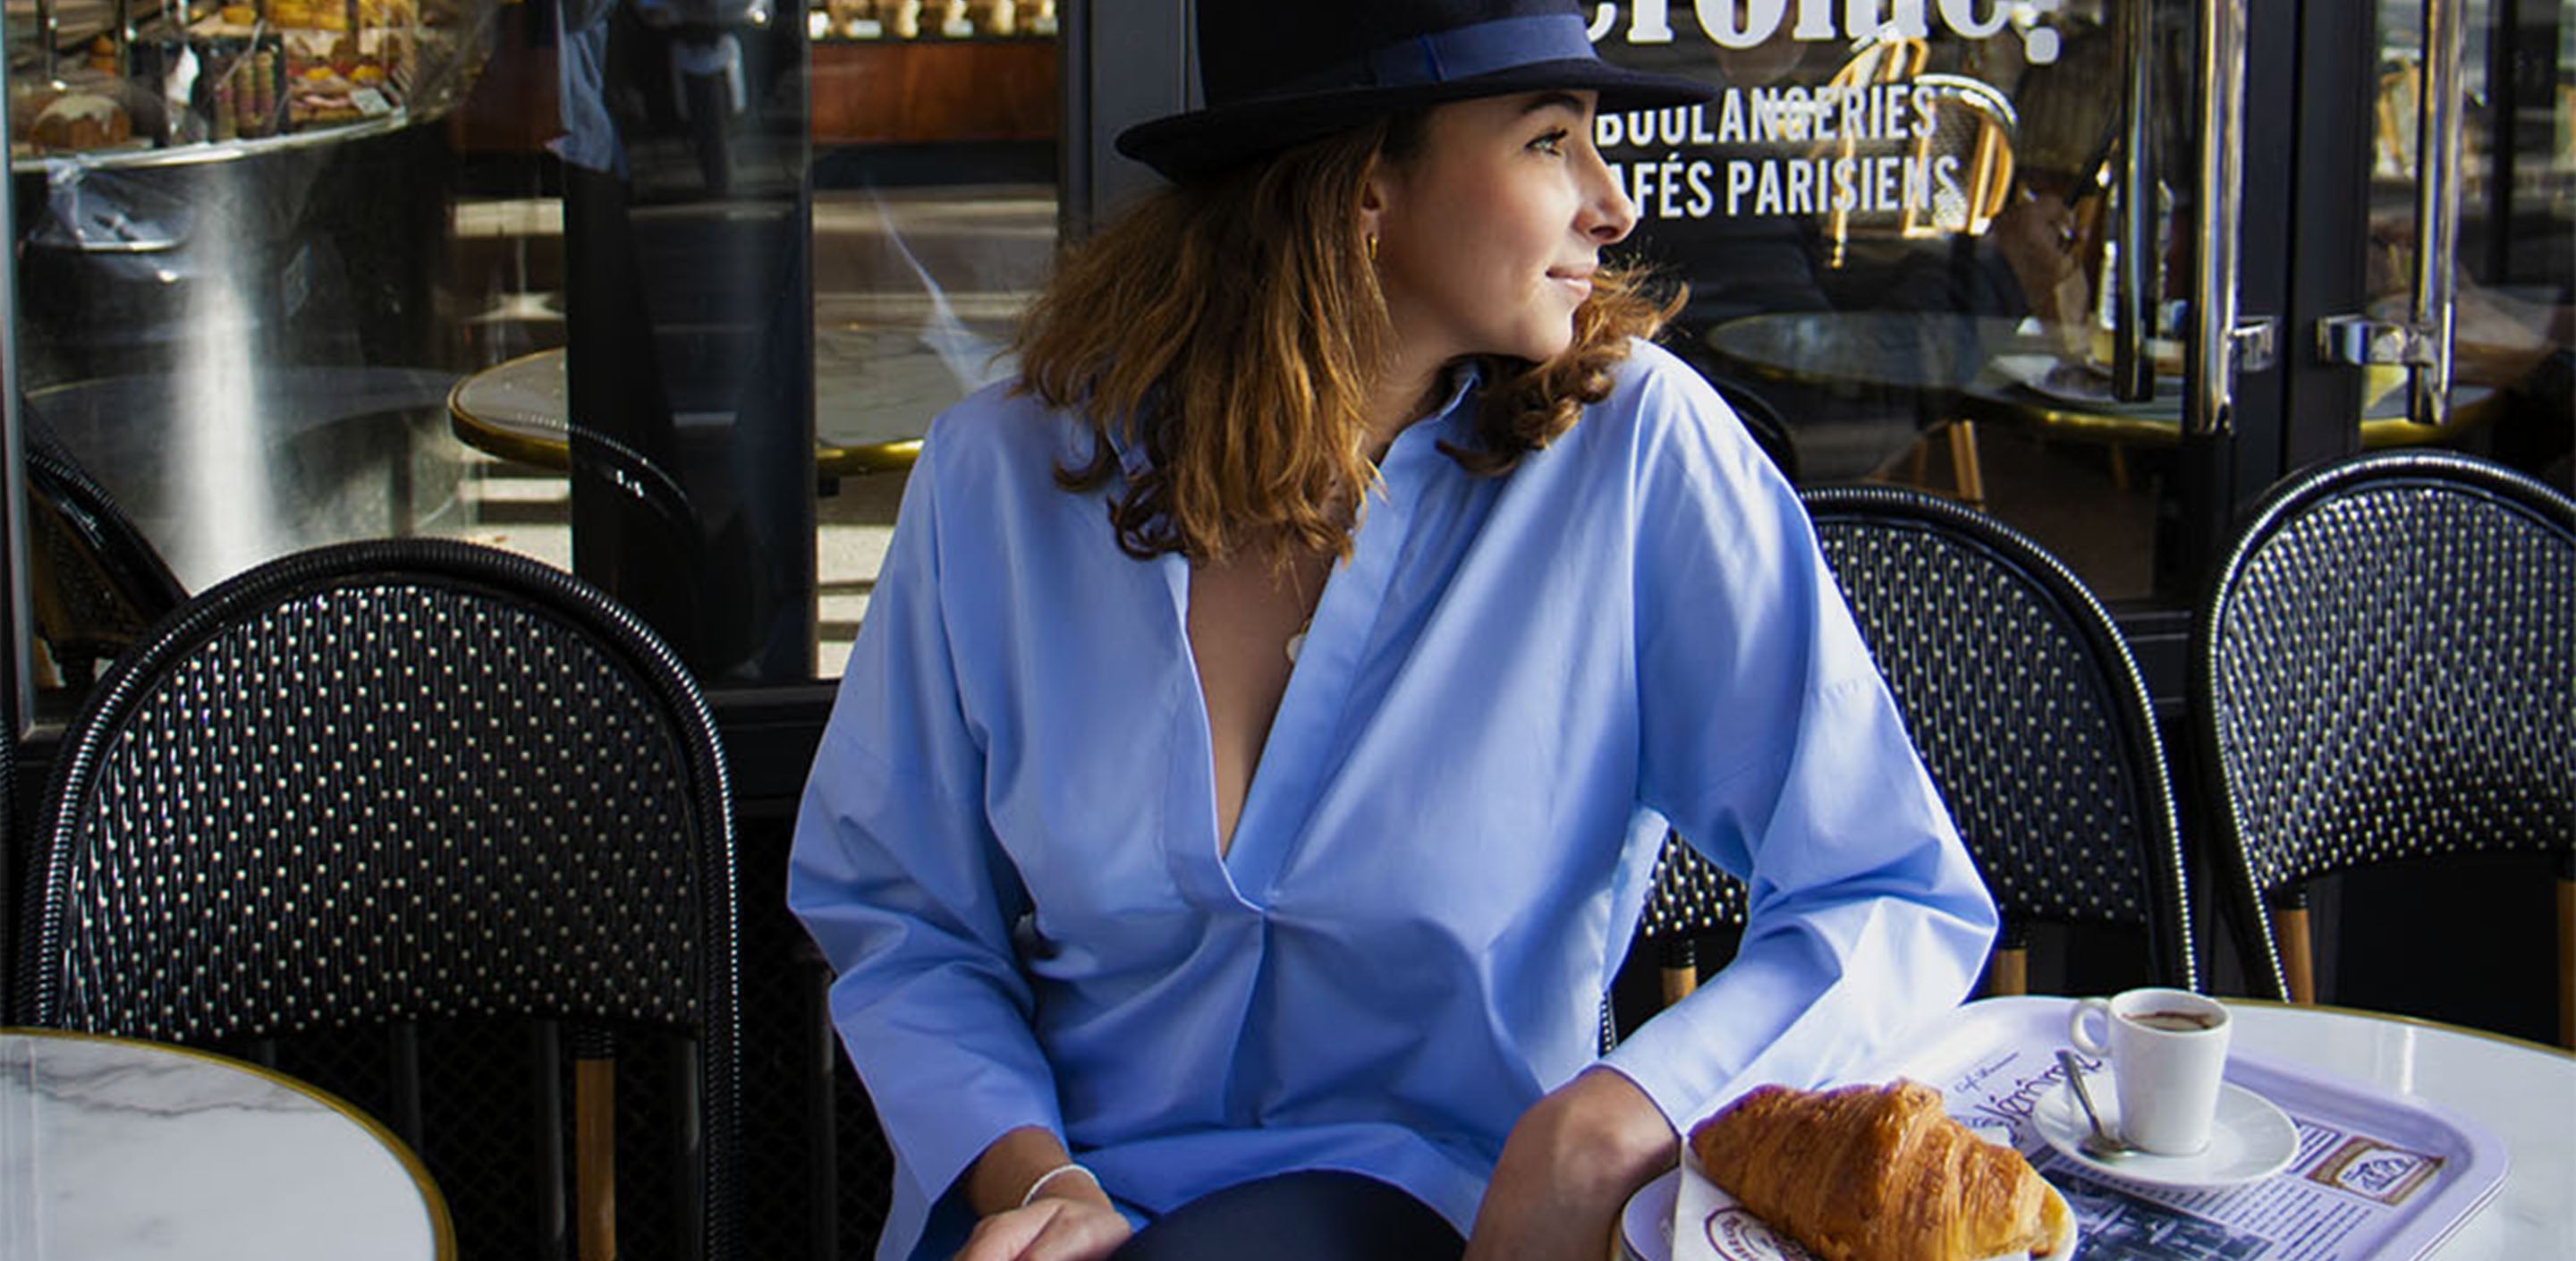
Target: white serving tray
x,y
2331,1111
1994,1058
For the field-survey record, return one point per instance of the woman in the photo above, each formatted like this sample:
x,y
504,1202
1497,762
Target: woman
x,y
1253,761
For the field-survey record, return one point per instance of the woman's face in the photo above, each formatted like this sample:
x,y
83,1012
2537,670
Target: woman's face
x,y
1488,234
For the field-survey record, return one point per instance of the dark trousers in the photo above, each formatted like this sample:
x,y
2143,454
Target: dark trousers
x,y
1318,1215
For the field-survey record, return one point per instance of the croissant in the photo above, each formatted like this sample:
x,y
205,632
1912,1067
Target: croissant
x,y
1876,1173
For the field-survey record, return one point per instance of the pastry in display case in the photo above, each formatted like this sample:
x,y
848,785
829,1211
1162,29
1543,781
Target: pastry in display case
x,y
930,19
63,117
121,81
940,72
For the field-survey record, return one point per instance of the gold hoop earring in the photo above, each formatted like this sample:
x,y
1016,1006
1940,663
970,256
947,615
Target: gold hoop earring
x,y
1372,247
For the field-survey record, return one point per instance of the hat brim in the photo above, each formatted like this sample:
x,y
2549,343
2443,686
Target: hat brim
x,y
1209,141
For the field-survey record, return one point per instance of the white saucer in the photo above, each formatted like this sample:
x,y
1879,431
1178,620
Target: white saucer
x,y
1646,1225
2250,1140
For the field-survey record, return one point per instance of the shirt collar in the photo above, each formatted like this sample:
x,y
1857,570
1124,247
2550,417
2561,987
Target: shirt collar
x,y
1453,414
1454,420
1464,380
1133,459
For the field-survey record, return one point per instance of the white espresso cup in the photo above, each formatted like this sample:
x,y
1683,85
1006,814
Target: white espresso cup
x,y
2168,1049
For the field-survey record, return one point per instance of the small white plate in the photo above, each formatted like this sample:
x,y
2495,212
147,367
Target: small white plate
x,y
1646,1225
2248,1141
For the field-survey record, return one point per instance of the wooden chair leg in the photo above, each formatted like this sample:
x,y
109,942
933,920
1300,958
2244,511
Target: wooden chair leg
x,y
2298,964
594,1111
1678,961
2007,971
2567,963
1966,470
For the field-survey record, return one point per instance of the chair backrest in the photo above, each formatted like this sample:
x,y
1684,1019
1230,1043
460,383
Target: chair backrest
x,y
2029,713
421,785
1973,123
2028,710
2385,668
97,581
1957,160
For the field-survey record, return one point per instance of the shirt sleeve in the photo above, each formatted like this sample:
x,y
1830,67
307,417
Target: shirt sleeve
x,y
901,883
1771,744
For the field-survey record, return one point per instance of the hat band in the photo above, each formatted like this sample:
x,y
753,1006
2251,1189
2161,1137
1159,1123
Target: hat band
x,y
1462,52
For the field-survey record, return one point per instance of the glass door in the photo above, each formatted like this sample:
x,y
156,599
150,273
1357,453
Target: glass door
x,y
1940,244
2107,269
2439,293
2460,328
662,292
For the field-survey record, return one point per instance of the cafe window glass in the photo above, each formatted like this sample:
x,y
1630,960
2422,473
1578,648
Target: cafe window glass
x,y
2512,265
228,334
921,164
1897,223
659,291
1953,244
935,208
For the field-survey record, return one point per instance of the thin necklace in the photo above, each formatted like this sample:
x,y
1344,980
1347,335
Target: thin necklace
x,y
1296,644
1297,641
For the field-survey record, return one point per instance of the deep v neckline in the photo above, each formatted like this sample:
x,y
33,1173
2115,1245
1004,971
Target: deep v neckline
x,y
1290,769
1245,629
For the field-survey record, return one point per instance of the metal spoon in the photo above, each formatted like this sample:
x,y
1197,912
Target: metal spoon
x,y
2100,1141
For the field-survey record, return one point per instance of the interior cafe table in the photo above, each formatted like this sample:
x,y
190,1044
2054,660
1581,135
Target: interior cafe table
x,y
1959,369
131,1150
518,410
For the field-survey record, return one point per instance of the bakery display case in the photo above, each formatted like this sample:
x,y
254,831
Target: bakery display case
x,y
139,82
940,73
230,223
937,19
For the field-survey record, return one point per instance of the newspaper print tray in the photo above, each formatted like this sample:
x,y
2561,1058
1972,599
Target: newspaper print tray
x,y
2377,1175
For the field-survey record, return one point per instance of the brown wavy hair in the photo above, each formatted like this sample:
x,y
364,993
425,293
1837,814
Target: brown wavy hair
x,y
1234,327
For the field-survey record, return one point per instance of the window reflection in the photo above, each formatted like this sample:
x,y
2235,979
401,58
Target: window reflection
x,y
2516,257
935,172
1900,235
1908,232
228,227
927,161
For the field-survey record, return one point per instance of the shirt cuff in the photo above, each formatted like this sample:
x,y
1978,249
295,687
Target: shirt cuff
x,y
1691,1056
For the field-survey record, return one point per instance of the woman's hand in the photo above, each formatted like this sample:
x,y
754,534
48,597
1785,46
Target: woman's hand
x,y
1570,1164
1032,1208
1052,1228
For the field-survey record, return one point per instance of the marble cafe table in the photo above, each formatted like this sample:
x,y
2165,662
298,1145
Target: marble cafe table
x,y
131,1150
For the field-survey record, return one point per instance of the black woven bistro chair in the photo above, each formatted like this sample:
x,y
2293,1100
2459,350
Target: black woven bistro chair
x,y
2384,670
2030,715
412,819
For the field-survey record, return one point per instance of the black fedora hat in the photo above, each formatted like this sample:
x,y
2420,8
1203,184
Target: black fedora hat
x,y
1280,72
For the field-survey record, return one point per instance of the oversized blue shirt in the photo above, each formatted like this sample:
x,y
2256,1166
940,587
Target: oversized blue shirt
x,y
1008,845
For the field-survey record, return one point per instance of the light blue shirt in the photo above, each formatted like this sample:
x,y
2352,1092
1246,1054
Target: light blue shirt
x,y
1008,844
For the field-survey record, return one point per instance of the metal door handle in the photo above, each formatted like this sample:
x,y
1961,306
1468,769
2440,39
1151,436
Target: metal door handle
x,y
2210,406
2423,342
2133,368
2437,206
